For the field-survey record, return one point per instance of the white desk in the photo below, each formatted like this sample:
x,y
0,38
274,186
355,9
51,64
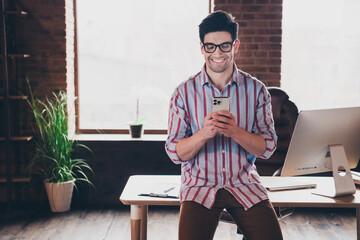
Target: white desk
x,y
292,198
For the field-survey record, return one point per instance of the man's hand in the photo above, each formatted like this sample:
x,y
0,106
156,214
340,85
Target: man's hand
x,y
209,130
225,123
188,147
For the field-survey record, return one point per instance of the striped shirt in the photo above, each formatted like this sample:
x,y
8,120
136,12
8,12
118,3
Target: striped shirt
x,y
221,162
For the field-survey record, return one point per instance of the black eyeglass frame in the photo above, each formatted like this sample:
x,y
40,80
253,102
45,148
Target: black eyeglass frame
x,y
218,45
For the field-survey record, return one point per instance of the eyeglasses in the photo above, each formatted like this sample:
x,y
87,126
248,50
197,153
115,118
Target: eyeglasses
x,y
224,47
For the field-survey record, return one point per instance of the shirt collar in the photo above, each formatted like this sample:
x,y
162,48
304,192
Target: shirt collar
x,y
235,76
204,77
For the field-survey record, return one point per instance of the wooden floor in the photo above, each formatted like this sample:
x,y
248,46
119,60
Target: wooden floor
x,y
112,224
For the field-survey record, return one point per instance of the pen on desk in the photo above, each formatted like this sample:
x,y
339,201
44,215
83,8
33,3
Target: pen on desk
x,y
168,190
156,195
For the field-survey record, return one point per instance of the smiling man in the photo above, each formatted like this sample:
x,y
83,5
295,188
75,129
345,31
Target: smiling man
x,y
217,149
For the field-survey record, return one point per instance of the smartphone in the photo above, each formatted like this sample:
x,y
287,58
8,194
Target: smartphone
x,y
220,103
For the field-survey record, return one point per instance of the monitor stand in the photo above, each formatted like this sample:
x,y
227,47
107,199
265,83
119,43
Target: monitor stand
x,y
343,181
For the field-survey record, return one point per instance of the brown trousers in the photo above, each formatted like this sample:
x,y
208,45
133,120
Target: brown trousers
x,y
257,223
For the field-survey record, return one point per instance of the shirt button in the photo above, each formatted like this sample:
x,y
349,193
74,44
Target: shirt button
x,y
223,151
223,169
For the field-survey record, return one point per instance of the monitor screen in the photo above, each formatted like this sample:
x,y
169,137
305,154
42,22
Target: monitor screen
x,y
315,131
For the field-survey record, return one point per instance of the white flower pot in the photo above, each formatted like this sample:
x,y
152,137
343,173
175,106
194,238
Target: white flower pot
x,y
59,195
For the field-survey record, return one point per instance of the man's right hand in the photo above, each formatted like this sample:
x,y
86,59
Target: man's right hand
x,y
209,130
188,147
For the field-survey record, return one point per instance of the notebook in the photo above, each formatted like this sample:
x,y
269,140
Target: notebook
x,y
286,183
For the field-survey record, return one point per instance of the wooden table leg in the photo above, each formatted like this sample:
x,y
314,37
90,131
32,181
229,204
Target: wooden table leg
x,y
144,216
138,222
358,223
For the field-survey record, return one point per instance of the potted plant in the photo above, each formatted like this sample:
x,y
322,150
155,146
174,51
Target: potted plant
x,y
136,129
55,150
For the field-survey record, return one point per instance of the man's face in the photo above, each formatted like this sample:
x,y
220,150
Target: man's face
x,y
219,61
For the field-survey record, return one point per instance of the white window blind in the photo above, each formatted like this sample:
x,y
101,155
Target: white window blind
x,y
134,51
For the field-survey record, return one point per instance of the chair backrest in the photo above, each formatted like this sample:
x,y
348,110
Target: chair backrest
x,y
285,114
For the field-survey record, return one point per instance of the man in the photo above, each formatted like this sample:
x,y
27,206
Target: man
x,y
217,150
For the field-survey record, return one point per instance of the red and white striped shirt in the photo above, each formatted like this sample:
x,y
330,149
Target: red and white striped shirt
x,y
221,162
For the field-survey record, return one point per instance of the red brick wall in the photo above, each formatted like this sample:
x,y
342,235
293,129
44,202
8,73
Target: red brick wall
x,y
260,36
42,34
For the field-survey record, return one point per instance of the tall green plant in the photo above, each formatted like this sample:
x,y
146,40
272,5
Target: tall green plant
x,y
54,148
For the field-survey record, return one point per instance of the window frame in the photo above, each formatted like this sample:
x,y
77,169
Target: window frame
x,y
79,130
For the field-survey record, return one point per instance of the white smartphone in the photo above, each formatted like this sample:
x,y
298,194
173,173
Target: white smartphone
x,y
220,103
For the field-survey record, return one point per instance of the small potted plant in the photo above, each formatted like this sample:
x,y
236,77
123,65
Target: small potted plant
x,y
137,128
55,150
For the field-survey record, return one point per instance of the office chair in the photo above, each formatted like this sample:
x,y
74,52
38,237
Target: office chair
x,y
285,114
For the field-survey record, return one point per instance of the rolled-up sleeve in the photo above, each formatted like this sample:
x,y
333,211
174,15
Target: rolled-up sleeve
x,y
178,126
264,123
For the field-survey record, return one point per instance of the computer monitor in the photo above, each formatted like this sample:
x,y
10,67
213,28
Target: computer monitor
x,y
316,133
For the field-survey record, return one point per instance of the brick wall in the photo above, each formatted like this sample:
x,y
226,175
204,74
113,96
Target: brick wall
x,y
42,33
260,36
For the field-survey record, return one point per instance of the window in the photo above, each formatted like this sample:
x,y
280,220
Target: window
x,y
321,53
131,55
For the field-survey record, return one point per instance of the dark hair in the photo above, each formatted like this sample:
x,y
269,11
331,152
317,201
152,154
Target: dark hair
x,y
219,21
